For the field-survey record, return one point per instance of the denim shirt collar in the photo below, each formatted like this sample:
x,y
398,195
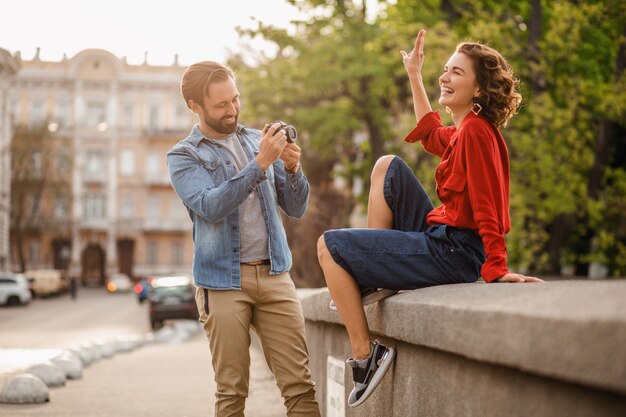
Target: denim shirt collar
x,y
196,136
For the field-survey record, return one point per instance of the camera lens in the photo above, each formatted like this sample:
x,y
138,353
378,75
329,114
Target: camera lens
x,y
291,133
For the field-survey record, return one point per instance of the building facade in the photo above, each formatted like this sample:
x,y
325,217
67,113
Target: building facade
x,y
9,67
118,120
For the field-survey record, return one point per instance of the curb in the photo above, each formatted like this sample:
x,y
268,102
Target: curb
x,y
27,374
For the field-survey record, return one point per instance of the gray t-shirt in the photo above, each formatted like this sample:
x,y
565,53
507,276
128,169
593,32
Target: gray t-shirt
x,y
252,229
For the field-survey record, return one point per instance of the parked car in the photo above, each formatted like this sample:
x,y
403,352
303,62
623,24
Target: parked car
x,y
14,289
172,297
119,282
44,282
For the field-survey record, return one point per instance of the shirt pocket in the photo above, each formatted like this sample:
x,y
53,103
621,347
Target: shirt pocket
x,y
216,170
456,182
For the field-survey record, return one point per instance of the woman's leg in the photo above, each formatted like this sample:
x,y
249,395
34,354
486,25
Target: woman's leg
x,y
379,215
347,295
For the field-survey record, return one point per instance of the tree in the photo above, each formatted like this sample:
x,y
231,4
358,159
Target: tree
x,y
339,78
40,179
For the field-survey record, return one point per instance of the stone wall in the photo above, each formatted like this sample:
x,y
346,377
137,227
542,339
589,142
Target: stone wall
x,y
553,349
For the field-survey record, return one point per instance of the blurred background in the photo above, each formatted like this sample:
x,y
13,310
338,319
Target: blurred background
x,y
90,105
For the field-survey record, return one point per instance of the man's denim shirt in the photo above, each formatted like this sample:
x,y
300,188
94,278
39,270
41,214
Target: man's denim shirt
x,y
204,177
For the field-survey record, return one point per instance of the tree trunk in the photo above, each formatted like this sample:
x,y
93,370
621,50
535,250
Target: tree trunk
x,y
560,230
607,137
538,78
19,244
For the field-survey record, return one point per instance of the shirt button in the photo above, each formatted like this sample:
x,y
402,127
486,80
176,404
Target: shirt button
x,y
227,162
235,250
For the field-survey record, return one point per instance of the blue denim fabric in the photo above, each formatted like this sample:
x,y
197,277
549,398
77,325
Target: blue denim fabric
x,y
413,254
204,177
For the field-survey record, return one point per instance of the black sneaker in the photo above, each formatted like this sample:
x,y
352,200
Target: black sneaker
x,y
367,373
369,296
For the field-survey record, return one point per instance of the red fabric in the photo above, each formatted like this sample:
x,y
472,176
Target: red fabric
x,y
472,182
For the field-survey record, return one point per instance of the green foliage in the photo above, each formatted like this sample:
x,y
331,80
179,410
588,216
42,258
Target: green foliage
x,y
339,78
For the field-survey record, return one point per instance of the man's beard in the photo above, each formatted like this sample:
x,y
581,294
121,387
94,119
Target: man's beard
x,y
220,126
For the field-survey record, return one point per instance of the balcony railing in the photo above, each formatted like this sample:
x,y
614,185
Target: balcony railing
x,y
167,225
157,178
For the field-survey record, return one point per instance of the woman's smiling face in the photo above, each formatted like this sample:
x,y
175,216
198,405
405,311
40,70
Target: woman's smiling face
x,y
458,83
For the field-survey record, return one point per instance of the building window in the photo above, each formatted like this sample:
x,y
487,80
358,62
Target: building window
x,y
153,164
94,207
61,208
62,114
96,114
127,162
36,112
33,253
32,204
182,115
177,253
152,252
63,161
177,209
152,209
128,116
153,121
127,208
14,111
37,164
95,164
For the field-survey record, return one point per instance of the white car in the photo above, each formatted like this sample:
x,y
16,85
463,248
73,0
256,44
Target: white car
x,y
119,282
14,289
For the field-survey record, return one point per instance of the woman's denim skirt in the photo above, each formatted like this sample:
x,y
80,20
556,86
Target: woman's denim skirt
x,y
413,254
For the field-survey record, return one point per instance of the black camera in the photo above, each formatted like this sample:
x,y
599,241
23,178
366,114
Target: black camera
x,y
290,131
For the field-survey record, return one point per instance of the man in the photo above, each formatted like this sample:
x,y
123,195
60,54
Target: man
x,y
232,180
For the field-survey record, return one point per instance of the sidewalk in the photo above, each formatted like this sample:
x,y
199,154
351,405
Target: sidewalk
x,y
164,379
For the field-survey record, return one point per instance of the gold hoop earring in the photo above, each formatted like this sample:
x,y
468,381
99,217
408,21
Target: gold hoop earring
x,y
476,107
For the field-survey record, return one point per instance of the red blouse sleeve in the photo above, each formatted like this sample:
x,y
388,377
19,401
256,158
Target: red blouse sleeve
x,y
432,134
487,185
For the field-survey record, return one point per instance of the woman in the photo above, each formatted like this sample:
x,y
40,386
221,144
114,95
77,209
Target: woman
x,y
410,244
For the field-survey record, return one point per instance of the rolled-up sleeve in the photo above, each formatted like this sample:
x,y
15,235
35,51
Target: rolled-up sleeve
x,y
430,132
292,190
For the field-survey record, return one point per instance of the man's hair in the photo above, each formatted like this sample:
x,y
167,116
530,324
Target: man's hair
x,y
499,95
199,76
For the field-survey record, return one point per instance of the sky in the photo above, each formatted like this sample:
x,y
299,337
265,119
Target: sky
x,y
196,30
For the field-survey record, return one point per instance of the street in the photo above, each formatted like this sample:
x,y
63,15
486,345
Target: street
x,y
167,379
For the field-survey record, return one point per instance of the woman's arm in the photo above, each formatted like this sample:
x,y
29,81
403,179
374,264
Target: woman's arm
x,y
413,62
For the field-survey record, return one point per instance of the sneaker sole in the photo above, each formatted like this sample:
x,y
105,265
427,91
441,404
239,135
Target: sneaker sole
x,y
370,298
387,360
377,296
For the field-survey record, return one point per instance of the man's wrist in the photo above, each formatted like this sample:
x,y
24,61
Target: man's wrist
x,y
295,169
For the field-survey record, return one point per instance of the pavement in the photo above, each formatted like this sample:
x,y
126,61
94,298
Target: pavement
x,y
166,375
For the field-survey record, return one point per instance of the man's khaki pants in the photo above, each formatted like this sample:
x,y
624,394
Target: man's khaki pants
x,y
269,305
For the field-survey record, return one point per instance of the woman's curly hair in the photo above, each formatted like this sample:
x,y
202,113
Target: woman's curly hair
x,y
498,94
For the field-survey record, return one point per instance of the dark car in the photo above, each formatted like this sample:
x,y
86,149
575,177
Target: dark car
x,y
172,297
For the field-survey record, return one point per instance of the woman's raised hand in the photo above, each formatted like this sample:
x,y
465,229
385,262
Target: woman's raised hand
x,y
414,60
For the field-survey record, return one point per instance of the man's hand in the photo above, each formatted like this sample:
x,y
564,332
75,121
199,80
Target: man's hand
x,y
511,277
291,156
272,145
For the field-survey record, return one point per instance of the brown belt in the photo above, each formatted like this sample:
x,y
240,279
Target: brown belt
x,y
256,263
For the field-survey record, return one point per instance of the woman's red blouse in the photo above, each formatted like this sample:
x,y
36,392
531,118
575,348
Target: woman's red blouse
x,y
472,182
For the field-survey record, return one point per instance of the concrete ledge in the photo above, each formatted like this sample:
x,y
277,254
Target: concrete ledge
x,y
573,332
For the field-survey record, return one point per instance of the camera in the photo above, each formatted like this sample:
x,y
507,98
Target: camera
x,y
290,131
